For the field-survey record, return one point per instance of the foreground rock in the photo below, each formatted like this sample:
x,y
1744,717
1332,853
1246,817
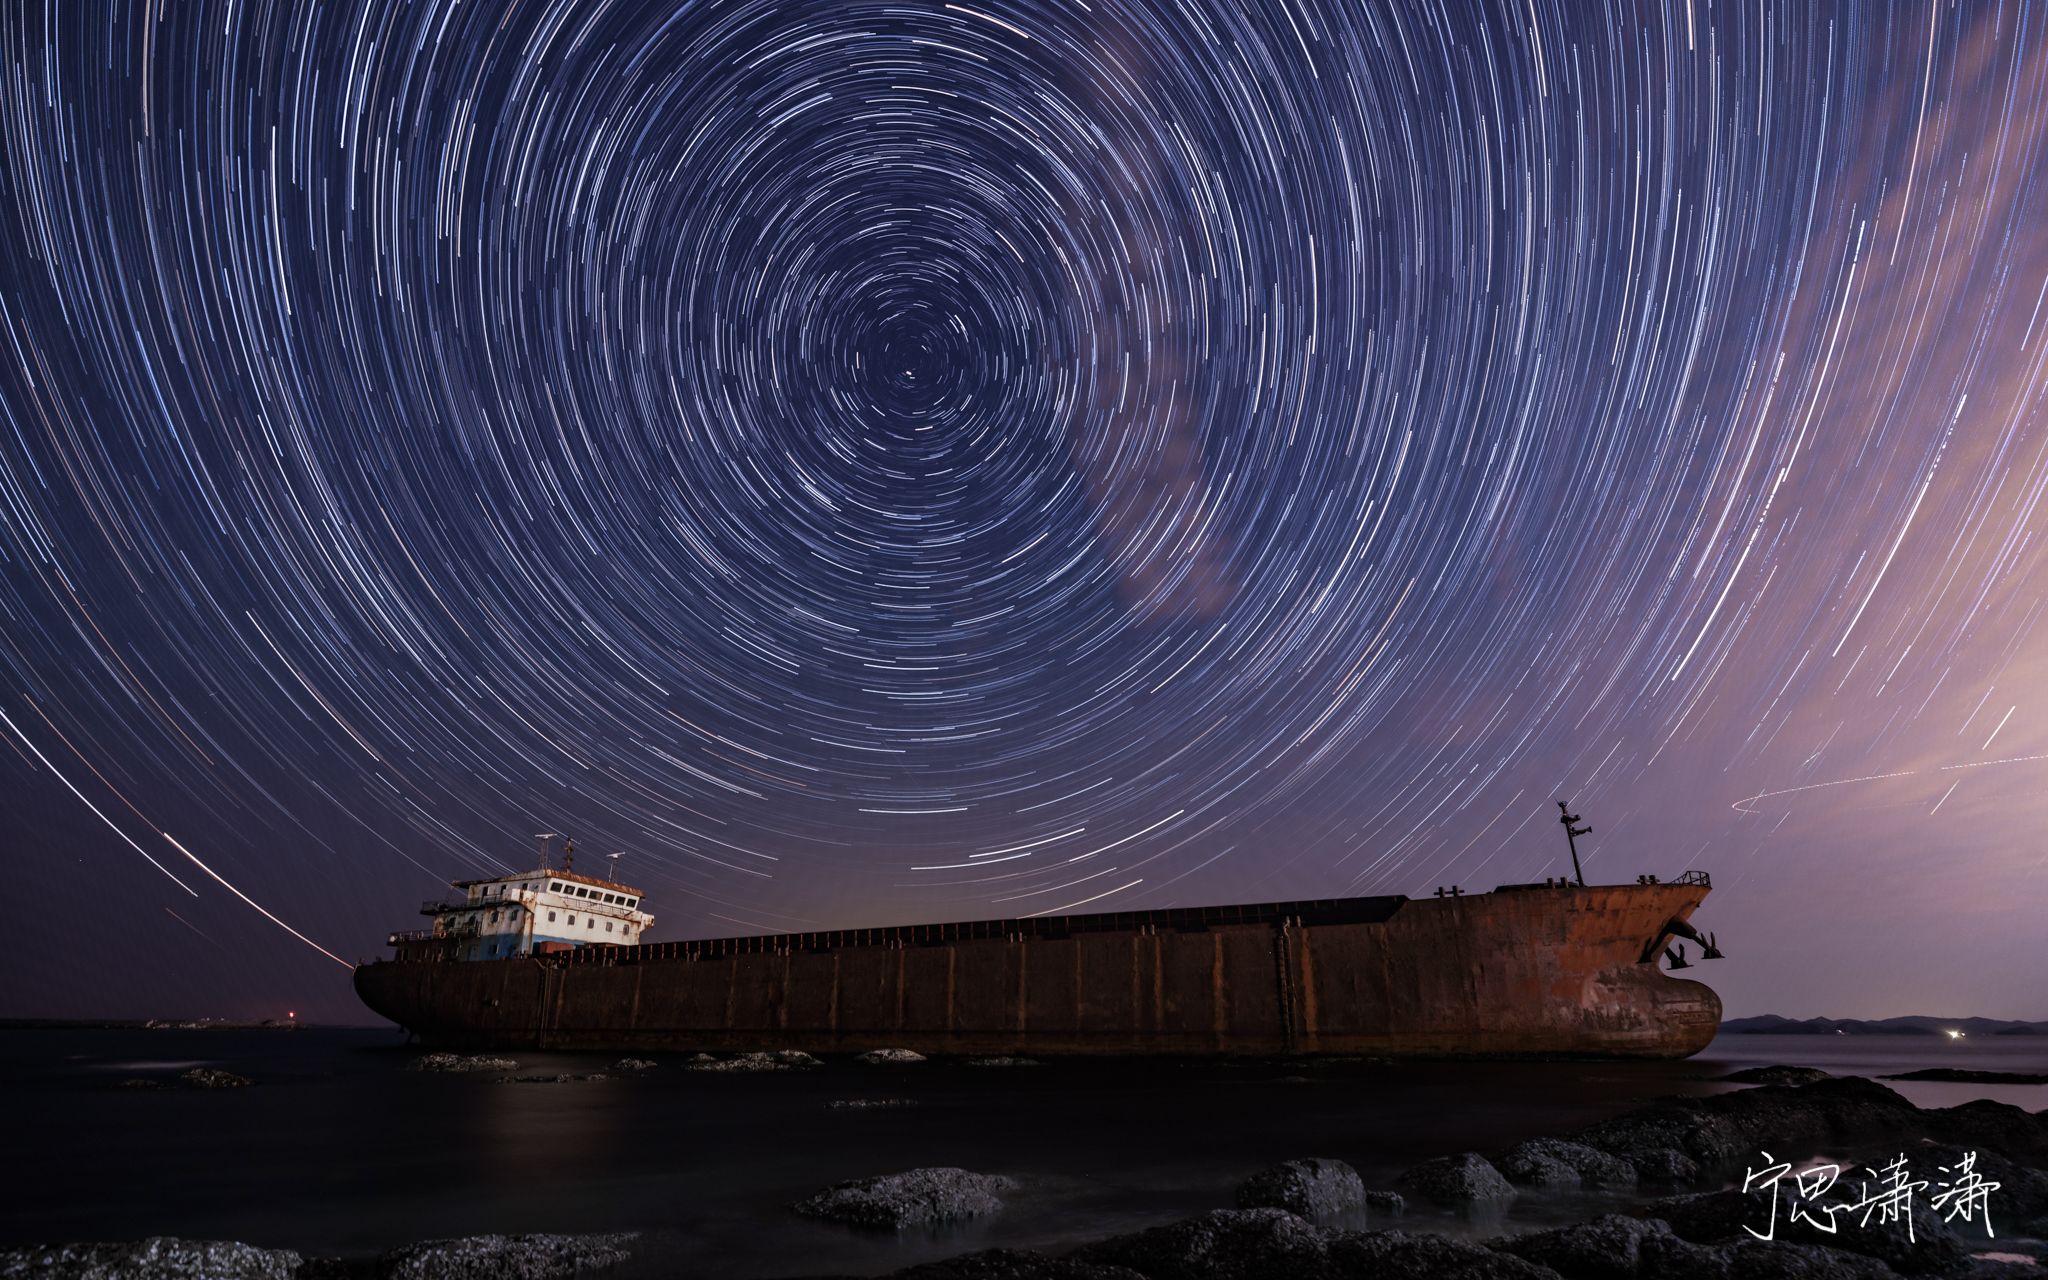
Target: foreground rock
x,y
1459,1179
782,1060
1549,1162
1622,1248
1777,1075
918,1198
563,1078
212,1078
1687,1139
534,1257
882,1057
1727,1217
634,1064
1704,1236
870,1104
1311,1188
1003,1062
1272,1244
462,1062
1015,1264
157,1258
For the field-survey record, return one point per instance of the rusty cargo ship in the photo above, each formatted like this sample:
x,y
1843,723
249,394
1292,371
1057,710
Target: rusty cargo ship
x,y
1560,967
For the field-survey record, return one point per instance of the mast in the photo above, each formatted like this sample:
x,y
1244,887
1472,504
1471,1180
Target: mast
x,y
1571,835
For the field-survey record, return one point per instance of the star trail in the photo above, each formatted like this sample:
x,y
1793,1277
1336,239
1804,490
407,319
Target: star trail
x,y
874,462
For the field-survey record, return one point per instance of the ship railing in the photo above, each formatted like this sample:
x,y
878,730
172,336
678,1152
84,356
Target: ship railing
x,y
412,935
1700,878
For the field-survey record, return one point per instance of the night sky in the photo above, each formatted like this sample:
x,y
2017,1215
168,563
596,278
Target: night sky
x,y
899,461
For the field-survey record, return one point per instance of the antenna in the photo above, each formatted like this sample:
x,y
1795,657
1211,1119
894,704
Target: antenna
x,y
613,858
569,853
543,837
1571,835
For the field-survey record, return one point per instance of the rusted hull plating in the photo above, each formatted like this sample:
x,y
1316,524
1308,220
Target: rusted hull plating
x,y
1565,970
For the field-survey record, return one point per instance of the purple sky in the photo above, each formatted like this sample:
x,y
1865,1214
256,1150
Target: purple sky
x,y
876,464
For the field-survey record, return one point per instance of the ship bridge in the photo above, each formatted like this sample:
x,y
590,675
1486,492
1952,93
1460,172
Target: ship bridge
x,y
527,912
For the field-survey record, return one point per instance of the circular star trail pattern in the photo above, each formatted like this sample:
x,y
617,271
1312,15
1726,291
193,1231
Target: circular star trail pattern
x,y
872,460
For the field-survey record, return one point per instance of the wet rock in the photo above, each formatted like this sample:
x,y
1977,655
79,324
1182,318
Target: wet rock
x,y
1398,1255
139,1082
1666,1140
1459,1179
918,1198
563,1078
1709,1217
743,1062
1611,1247
1718,1133
1777,1260
462,1062
493,1257
1003,1062
780,1060
1310,1187
1990,1126
157,1258
2012,1267
1729,1217
1663,1166
1549,1162
634,1064
213,1078
1272,1244
1226,1244
1014,1264
1777,1075
882,1057
870,1104
1386,1202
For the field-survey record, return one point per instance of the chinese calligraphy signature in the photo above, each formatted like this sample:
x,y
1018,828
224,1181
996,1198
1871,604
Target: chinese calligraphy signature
x,y
1885,1197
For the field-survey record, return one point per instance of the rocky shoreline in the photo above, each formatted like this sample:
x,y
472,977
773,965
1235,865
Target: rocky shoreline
x,y
1668,1150
1672,1171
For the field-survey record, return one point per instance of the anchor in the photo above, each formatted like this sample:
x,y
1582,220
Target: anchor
x,y
1709,949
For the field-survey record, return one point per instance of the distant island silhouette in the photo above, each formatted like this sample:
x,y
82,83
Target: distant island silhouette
x,y
1912,1025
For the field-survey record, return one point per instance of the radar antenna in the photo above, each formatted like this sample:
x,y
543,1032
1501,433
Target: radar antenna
x,y
544,837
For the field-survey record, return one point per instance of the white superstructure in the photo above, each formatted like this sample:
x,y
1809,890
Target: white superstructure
x,y
518,914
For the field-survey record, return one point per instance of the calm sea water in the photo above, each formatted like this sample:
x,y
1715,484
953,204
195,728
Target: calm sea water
x,y
341,1150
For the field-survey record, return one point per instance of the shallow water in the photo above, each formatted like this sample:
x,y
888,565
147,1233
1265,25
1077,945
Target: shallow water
x,y
341,1150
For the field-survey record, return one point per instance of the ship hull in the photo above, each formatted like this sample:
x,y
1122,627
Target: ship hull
x,y
1526,971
